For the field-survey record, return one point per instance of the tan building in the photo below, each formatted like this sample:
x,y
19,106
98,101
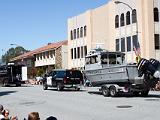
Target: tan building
x,y
114,27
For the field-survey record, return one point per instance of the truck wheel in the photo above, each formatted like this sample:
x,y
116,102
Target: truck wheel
x,y
45,87
113,91
144,93
135,93
77,88
59,86
105,91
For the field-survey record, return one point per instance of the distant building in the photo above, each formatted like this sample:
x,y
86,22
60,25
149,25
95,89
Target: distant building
x,y
114,27
45,58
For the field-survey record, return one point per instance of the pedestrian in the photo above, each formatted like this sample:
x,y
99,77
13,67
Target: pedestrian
x,y
1,112
51,118
6,114
33,116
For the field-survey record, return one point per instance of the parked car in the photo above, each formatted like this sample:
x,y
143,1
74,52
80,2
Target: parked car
x,y
63,78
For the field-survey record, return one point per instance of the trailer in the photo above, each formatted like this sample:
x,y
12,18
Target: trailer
x,y
109,71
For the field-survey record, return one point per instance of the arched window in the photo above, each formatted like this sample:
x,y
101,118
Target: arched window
x,y
122,19
134,16
85,30
71,35
156,15
128,20
74,34
81,32
77,32
116,21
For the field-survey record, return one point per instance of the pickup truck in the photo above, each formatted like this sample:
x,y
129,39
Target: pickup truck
x,y
63,78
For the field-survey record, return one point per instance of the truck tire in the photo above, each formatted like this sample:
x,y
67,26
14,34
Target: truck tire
x,y
113,91
59,86
45,87
105,91
144,93
135,93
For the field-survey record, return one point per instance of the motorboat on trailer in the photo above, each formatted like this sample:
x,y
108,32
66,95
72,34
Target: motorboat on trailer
x,y
109,70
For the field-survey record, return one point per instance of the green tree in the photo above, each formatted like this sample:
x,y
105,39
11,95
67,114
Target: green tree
x,y
13,52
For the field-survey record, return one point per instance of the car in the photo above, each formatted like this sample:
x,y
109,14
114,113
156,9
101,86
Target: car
x,y
63,78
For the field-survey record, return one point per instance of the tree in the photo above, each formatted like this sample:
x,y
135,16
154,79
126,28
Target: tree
x,y
13,52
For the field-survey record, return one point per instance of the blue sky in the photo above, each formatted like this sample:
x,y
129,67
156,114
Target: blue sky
x,y
34,23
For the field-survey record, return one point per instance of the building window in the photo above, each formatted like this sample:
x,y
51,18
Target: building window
x,y
117,44
44,55
85,50
41,56
85,30
128,44
77,32
157,41
135,42
75,53
47,54
116,21
81,32
37,56
74,33
78,52
82,52
134,16
71,35
156,15
72,53
122,19
128,21
122,44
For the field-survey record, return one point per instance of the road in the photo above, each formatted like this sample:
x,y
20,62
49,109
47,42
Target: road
x,y
78,105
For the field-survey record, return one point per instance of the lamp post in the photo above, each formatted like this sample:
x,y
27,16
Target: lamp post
x,y
119,2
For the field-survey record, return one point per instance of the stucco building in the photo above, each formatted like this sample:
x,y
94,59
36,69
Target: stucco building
x,y
122,27
44,59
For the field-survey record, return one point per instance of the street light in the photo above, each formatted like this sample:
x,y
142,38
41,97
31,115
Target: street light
x,y
119,2
14,44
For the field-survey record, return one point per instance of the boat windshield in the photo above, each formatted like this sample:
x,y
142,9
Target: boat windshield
x,y
111,59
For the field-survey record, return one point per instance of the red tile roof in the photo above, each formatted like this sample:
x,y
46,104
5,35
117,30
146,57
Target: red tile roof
x,y
40,50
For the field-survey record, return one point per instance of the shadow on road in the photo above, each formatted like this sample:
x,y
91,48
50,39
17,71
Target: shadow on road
x,y
6,93
128,95
66,90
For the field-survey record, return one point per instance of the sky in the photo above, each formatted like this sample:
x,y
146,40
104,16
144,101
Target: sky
x,y
34,23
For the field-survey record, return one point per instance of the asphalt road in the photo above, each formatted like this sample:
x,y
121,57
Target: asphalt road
x,y
78,105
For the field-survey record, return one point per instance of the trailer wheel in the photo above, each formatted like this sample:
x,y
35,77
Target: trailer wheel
x,y
105,91
113,91
45,87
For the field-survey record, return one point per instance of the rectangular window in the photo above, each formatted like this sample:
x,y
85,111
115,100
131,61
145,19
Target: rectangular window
x,y
128,44
72,53
78,52
135,42
122,44
157,41
75,53
82,52
85,50
47,54
117,44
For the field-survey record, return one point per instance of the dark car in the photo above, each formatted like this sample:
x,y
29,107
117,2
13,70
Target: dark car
x,y
63,79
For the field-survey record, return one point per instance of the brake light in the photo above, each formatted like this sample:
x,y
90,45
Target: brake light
x,y
65,80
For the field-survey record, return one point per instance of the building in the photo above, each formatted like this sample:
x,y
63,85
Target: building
x,y
44,59
124,25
